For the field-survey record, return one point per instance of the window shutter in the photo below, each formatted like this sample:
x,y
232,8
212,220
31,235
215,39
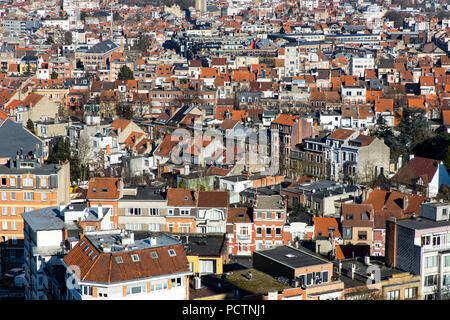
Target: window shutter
x,y
95,292
148,287
124,289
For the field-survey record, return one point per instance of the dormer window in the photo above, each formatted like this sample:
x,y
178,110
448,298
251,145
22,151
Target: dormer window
x,y
172,253
135,258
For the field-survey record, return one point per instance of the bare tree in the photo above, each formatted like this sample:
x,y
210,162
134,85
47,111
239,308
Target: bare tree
x,y
84,154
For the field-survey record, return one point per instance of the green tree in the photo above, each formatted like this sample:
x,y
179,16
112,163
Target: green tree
x,y
30,126
125,73
54,75
436,147
182,184
396,17
447,158
413,128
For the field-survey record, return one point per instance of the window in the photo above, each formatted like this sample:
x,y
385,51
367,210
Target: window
x,y
410,293
259,215
154,255
268,231
430,280
13,211
28,196
349,217
136,289
14,225
27,182
185,228
176,282
43,182
133,226
185,212
426,240
3,181
278,232
153,211
135,258
90,253
393,295
347,232
158,285
362,235
87,290
170,212
206,266
119,260
81,243
172,253
447,261
278,215
86,248
4,225
436,241
4,211
269,215
44,196
446,281
154,227
134,212
258,231
13,196
430,262
4,195
444,212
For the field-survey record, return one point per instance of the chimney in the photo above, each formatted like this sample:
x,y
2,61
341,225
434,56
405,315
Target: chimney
x,y
186,169
352,274
339,266
367,260
153,241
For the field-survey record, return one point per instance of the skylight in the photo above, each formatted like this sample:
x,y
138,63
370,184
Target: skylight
x,y
119,260
172,253
290,255
154,255
135,257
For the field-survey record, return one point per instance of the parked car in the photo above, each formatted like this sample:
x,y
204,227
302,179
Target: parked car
x,y
12,273
19,281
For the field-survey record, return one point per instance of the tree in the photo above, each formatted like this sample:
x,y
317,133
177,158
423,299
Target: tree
x,y
54,75
84,155
182,184
68,37
124,110
125,73
436,147
396,17
413,128
30,126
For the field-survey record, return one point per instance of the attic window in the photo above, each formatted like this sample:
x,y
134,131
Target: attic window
x,y
93,257
119,260
185,198
94,189
172,253
154,255
86,249
331,229
90,253
135,257
349,217
81,243
290,255
105,190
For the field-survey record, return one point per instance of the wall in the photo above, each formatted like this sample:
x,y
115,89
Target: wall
x,y
49,238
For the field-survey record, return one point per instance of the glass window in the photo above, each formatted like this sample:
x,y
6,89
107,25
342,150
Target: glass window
x,y
447,261
258,231
430,262
158,285
13,196
393,295
5,211
430,280
4,195
410,293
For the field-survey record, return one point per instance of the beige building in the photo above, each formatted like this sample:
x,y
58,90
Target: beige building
x,y
142,209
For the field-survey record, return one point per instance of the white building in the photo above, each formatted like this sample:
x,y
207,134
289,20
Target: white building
x,y
358,65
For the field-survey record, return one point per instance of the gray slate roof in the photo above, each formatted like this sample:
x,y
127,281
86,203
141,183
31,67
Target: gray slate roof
x,y
15,137
103,47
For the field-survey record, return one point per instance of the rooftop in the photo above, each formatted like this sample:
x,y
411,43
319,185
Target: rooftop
x,y
293,257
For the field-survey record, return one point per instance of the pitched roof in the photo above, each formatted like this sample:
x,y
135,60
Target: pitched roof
x,y
322,225
181,197
213,199
341,134
416,168
17,138
383,200
101,267
103,188
239,215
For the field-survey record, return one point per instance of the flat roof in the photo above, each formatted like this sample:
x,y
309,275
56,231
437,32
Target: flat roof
x,y
293,257
422,223
44,219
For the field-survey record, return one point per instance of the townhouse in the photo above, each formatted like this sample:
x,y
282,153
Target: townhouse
x,y
157,268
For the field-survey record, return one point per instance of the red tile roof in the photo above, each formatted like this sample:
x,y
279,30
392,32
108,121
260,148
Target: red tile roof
x,y
104,188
